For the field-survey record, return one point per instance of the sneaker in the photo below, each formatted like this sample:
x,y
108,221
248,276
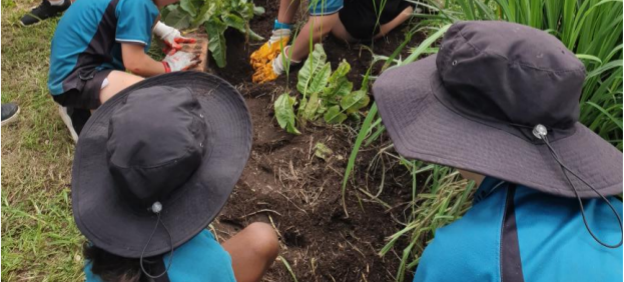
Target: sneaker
x,y
66,117
43,11
9,113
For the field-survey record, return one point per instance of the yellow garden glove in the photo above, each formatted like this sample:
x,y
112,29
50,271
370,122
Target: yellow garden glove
x,y
272,70
269,51
264,74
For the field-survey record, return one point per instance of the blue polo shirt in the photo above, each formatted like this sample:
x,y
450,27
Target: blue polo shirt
x,y
202,259
89,35
515,233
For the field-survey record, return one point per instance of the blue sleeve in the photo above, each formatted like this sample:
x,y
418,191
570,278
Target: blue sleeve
x,y
135,20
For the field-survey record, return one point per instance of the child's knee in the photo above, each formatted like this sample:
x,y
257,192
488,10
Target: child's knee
x,y
264,239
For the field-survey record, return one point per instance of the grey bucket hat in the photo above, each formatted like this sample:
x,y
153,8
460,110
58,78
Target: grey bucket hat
x,y
167,150
475,104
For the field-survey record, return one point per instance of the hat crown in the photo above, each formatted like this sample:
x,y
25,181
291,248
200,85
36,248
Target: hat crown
x,y
510,73
155,143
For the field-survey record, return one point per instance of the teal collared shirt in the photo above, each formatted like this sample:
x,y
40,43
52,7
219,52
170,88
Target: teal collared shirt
x,y
202,259
516,233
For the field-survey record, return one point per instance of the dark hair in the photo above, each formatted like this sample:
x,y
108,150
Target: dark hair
x,y
113,268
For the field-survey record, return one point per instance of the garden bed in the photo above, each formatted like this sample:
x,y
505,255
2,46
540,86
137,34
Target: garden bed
x,y
300,194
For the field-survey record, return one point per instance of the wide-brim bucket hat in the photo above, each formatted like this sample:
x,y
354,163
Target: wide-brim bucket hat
x,y
224,129
475,104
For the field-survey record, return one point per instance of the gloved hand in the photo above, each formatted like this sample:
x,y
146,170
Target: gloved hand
x,y
171,37
180,61
270,49
265,74
273,69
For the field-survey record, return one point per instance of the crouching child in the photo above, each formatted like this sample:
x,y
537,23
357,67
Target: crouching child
x,y
96,42
155,165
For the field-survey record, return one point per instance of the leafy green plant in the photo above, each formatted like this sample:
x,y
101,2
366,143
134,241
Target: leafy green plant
x,y
323,93
216,16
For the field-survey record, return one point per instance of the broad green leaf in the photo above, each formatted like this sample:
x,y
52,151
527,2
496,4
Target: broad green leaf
x,y
336,90
354,101
258,10
311,107
343,69
338,84
216,41
178,19
245,11
166,10
235,22
206,14
253,35
315,62
320,79
334,115
285,114
191,6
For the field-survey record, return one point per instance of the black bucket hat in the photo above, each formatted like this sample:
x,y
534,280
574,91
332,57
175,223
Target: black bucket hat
x,y
179,139
475,104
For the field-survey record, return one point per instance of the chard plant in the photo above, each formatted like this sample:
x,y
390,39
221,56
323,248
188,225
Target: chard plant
x,y
215,16
324,93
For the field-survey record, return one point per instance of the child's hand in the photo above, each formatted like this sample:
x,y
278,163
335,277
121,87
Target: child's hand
x,y
180,61
271,49
171,37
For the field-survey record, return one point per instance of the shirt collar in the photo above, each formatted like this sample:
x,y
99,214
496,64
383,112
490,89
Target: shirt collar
x,y
488,185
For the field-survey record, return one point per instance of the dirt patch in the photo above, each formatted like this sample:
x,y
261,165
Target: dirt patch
x,y
299,194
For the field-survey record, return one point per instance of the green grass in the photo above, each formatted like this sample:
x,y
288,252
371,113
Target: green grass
x,y
39,239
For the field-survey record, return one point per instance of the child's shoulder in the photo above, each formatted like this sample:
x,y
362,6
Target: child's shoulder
x,y
136,5
202,256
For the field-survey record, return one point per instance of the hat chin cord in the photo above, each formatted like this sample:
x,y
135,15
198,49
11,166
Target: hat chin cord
x,y
156,208
541,132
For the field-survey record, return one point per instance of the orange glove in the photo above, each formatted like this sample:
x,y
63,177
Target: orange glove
x,y
271,49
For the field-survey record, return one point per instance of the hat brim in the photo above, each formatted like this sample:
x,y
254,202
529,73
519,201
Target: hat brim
x,y
423,128
113,226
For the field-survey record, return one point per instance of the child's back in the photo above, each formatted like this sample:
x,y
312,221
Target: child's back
x,y
88,37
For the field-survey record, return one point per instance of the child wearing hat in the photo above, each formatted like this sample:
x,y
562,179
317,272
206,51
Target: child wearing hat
x,y
96,42
499,102
154,166
350,20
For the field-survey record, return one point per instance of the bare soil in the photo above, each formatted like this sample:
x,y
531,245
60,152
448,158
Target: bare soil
x,y
285,185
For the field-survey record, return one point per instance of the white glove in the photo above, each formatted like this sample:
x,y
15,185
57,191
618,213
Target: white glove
x,y
180,61
171,37
278,63
278,34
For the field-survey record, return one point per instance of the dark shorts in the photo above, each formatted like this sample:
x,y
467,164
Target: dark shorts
x,y
86,93
360,17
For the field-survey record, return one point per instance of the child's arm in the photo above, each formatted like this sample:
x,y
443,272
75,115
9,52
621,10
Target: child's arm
x,y
138,62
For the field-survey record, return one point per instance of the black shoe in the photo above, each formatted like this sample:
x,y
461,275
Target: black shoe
x,y
9,113
44,11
